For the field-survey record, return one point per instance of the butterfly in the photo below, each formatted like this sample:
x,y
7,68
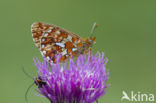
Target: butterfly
x,y
53,40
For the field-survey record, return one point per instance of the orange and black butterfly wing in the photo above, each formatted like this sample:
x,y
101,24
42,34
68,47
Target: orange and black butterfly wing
x,y
53,40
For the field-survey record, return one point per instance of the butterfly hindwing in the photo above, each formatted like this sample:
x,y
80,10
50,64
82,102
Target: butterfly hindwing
x,y
52,40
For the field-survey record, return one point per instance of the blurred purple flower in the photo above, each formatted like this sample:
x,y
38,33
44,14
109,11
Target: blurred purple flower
x,y
82,81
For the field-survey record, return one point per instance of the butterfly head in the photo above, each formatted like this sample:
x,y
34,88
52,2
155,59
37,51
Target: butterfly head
x,y
90,41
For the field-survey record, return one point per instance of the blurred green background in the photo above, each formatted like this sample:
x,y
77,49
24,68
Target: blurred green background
x,y
126,34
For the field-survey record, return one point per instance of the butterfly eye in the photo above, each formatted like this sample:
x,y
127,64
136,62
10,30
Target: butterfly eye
x,y
90,41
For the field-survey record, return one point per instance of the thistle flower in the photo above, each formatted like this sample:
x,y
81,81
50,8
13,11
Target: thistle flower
x,y
80,81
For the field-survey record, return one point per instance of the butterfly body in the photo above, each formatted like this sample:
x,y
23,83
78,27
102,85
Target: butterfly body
x,y
52,40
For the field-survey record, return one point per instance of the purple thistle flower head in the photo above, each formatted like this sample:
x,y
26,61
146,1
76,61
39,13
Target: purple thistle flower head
x,y
80,81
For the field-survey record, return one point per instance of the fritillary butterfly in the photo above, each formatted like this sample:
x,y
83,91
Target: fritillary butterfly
x,y
53,40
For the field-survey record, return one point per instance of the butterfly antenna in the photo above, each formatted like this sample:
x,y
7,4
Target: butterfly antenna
x,y
27,73
93,28
26,93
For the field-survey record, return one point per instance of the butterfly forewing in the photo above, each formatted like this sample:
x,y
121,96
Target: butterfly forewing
x,y
53,40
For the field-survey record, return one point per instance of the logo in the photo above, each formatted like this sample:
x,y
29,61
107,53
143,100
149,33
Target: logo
x,y
53,40
137,96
